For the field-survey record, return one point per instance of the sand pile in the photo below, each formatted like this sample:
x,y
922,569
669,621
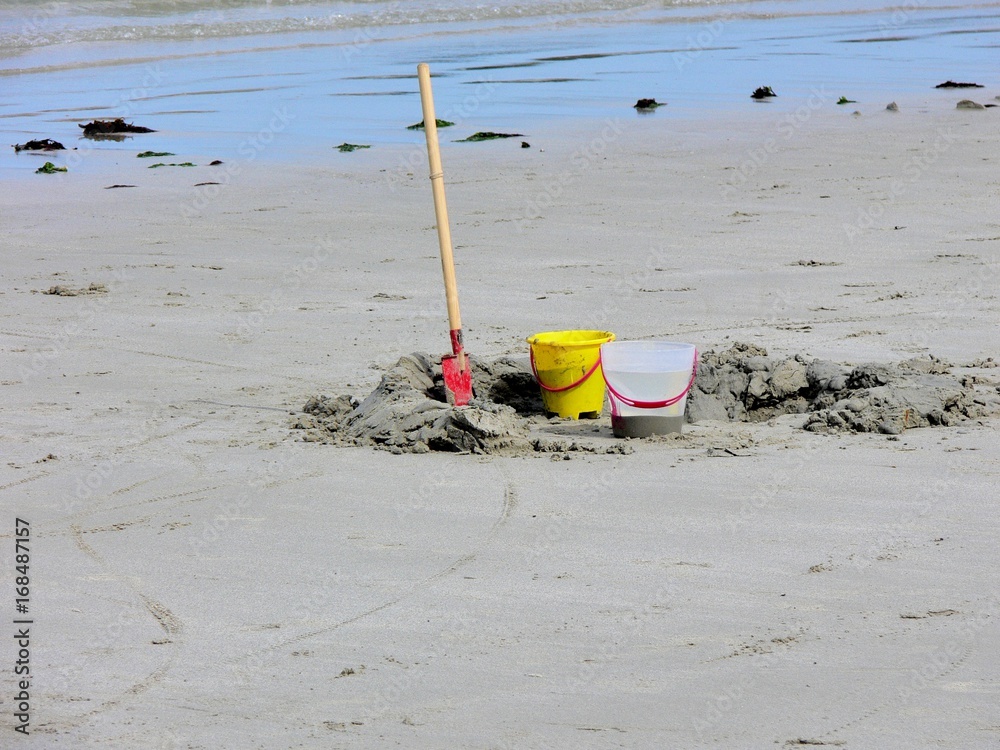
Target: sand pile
x,y
743,383
408,413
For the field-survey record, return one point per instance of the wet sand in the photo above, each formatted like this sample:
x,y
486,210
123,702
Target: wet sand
x,y
203,578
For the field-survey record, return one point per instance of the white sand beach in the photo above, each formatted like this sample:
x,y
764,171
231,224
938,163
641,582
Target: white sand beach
x,y
201,577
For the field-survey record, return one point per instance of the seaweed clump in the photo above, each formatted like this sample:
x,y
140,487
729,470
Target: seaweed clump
x,y
958,85
112,127
438,121
46,144
763,92
488,135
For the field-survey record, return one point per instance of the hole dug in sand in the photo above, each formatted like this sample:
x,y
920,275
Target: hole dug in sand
x,y
407,412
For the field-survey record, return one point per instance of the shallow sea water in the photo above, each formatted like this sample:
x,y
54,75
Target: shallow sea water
x,y
217,78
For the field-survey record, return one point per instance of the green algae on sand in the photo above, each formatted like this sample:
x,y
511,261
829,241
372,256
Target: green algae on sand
x,y
488,136
347,148
50,168
440,123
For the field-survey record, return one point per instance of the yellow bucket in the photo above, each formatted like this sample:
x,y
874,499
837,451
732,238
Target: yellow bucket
x,y
567,367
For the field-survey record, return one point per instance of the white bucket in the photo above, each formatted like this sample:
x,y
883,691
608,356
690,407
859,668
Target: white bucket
x,y
648,383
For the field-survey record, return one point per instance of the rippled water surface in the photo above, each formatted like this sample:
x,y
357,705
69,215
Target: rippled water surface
x,y
207,74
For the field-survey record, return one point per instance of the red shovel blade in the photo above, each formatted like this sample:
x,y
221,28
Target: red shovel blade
x,y
457,382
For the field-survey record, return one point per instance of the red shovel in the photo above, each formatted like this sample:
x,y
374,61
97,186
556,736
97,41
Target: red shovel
x,y
455,366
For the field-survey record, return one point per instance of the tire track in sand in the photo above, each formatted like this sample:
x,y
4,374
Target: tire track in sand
x,y
508,504
172,625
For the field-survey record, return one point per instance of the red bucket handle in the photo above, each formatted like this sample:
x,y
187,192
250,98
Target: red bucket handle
x,y
587,374
636,404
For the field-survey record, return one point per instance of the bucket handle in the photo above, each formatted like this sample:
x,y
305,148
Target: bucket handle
x,y
587,374
636,404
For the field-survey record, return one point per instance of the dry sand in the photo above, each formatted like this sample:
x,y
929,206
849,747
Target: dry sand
x,y
202,578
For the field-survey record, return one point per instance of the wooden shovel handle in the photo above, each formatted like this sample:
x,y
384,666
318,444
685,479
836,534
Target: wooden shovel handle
x,y
441,209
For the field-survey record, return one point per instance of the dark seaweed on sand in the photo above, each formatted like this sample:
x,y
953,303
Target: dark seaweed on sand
x,y
958,85
147,154
763,92
118,125
647,104
488,136
46,144
440,123
347,148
